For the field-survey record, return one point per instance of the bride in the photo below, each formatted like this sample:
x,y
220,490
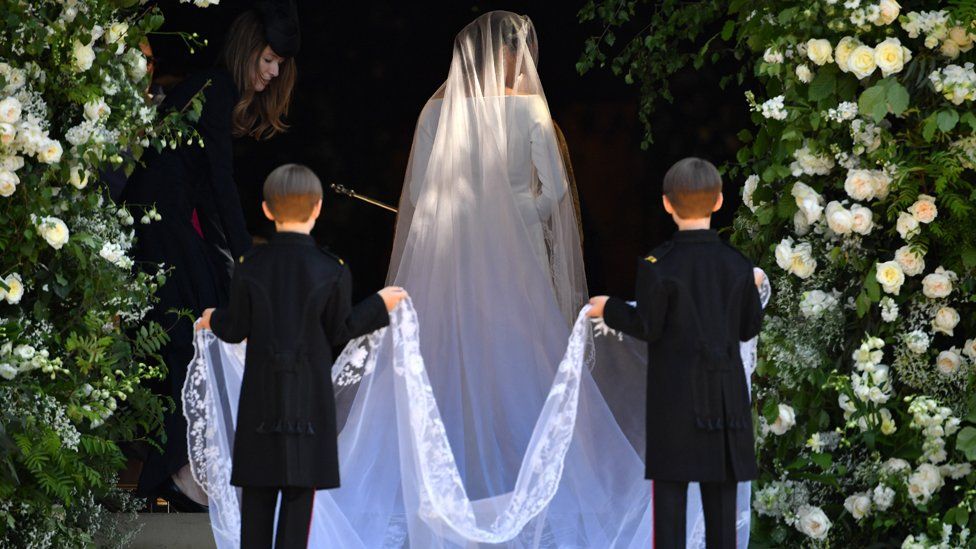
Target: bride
x,y
470,421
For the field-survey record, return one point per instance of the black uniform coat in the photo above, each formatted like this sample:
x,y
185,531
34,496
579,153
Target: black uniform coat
x,y
696,300
177,182
292,301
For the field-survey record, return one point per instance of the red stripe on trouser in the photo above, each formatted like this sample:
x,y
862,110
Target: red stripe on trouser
x,y
311,513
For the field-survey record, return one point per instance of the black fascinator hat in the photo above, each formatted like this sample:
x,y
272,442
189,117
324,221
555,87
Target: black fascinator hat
x,y
280,18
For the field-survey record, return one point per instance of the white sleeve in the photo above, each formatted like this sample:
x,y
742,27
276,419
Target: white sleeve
x,y
423,144
546,159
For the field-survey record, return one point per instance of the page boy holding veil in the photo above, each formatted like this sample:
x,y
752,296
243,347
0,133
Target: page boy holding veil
x,y
696,301
291,301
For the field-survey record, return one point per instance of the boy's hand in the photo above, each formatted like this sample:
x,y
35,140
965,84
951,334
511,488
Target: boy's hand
x,y
204,322
597,303
392,296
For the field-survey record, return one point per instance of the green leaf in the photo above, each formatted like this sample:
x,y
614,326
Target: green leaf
x,y
898,98
728,29
873,102
822,86
863,303
969,257
823,460
928,130
871,285
947,120
970,119
771,411
966,442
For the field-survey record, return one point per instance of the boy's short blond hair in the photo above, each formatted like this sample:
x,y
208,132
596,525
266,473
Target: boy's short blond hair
x,y
291,192
692,186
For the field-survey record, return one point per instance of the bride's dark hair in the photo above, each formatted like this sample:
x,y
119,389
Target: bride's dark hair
x,y
258,114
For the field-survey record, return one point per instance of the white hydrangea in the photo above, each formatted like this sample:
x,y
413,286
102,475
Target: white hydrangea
x,y
883,497
866,135
773,56
889,309
815,303
846,110
955,83
917,341
774,108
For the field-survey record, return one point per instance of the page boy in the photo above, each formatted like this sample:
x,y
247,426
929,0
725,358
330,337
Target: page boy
x,y
291,300
696,300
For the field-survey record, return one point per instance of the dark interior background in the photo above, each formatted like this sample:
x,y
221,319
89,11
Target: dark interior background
x,y
365,70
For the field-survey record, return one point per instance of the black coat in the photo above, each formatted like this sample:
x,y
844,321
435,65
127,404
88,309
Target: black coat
x,y
292,302
696,300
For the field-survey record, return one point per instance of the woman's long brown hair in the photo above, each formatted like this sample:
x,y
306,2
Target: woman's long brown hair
x,y
259,115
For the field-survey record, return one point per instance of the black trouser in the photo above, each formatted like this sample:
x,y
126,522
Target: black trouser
x,y
670,514
257,517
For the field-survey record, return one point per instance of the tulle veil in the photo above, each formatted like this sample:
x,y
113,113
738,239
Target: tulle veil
x,y
474,419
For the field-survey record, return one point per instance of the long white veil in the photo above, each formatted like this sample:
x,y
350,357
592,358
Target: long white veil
x,y
474,420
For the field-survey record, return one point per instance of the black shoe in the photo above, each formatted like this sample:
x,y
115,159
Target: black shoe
x,y
179,501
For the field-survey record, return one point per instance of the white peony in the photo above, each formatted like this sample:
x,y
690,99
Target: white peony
x,y
883,497
923,483
784,421
82,56
861,62
54,231
858,505
97,109
891,56
50,152
862,219
808,200
752,182
924,209
813,522
945,321
842,52
10,110
912,262
784,253
948,362
917,341
890,276
938,284
803,74
839,219
907,225
8,183
820,51
15,288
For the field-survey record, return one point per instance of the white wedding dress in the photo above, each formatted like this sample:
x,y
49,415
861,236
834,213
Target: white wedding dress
x,y
473,420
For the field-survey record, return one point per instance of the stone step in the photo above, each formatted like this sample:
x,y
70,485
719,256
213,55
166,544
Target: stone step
x,y
174,531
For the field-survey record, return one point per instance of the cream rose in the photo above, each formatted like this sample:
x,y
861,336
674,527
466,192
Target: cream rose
x,y
888,12
54,231
839,219
861,62
891,56
15,289
925,481
800,224
752,182
890,276
803,74
97,109
784,251
911,262
813,522
962,38
924,209
78,177
860,184
945,321
937,285
820,51
784,421
858,505
969,349
10,110
950,49
907,225
863,219
116,35
948,362
137,64
82,56
7,133
808,200
50,152
8,183
802,263
842,53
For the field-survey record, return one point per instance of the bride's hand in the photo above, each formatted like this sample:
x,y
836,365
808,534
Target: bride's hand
x,y
392,296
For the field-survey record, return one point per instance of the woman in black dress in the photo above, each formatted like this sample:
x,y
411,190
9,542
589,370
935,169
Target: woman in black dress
x,y
202,229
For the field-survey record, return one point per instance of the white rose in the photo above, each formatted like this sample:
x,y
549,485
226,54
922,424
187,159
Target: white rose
x,y
808,200
116,35
10,110
936,285
890,276
950,49
137,64
785,421
925,481
813,522
948,363
924,209
907,225
752,182
889,10
860,184
895,465
15,289
890,56
839,219
7,134
50,152
912,263
97,109
969,349
784,253
803,74
962,38
802,263
945,321
861,62
801,226
843,52
7,371
54,231
881,182
863,219
82,56
8,183
884,497
820,51
11,163
917,341
858,505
